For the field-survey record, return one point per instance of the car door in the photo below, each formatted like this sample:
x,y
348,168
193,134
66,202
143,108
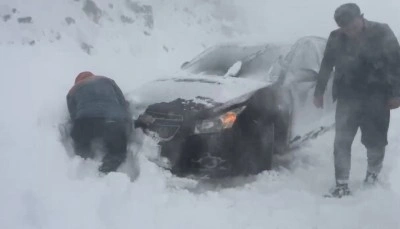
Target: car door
x,y
301,66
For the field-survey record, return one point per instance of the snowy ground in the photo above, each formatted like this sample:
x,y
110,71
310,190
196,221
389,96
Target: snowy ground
x,y
41,187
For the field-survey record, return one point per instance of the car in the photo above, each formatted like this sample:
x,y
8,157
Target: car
x,y
234,106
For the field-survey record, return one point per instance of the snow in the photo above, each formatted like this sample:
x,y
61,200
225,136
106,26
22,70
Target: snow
x,y
42,187
218,89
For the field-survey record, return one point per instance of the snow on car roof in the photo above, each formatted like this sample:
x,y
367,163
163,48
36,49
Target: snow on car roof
x,y
218,59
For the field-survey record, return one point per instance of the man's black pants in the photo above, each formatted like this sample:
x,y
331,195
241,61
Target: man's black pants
x,y
370,114
111,133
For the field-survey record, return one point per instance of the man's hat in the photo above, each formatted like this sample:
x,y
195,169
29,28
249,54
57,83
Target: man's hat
x,y
82,76
346,13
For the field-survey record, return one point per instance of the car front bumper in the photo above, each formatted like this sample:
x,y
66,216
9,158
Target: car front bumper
x,y
211,155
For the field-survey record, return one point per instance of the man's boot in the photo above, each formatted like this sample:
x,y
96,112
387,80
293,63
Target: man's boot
x,y
110,163
341,189
370,179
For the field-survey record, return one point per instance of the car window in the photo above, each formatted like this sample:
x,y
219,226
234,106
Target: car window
x,y
258,66
218,59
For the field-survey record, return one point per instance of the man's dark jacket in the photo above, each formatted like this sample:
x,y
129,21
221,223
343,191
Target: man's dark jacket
x,y
97,97
373,64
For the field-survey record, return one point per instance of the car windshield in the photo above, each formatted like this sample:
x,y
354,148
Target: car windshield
x,y
256,60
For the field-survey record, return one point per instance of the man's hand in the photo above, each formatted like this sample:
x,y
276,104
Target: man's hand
x,y
319,101
394,103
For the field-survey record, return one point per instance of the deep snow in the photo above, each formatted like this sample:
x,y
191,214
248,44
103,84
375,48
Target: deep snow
x,y
41,187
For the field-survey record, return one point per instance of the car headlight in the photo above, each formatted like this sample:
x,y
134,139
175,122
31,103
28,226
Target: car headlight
x,y
221,122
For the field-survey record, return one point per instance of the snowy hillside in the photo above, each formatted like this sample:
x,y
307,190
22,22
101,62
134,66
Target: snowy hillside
x,y
44,45
117,27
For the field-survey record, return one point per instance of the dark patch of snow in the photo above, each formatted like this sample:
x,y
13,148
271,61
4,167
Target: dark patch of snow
x,y
70,20
86,47
126,19
92,11
6,17
26,20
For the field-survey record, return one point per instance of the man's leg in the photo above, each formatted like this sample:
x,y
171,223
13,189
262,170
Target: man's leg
x,y
81,136
346,129
115,141
375,161
374,128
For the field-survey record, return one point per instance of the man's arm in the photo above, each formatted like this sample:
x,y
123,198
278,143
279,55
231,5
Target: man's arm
x,y
327,64
71,106
392,56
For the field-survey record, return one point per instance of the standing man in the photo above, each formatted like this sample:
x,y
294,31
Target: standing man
x,y
98,110
366,85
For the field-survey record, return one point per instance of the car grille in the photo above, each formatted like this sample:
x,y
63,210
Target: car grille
x,y
164,125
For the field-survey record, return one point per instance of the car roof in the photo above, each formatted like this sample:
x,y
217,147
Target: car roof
x,y
316,40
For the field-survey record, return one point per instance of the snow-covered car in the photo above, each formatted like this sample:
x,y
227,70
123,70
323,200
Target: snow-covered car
x,y
234,106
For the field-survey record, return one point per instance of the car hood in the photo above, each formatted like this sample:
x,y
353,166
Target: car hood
x,y
202,90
